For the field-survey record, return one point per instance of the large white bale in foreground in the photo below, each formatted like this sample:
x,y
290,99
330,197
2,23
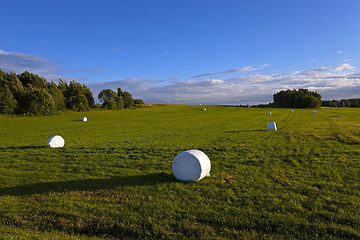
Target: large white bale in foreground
x,y
291,110
271,126
84,119
56,141
191,165
269,113
314,111
204,109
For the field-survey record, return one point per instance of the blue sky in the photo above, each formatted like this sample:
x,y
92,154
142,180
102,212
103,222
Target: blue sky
x,y
189,51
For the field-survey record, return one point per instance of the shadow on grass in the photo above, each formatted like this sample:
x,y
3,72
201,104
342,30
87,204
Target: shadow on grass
x,y
247,130
23,147
88,184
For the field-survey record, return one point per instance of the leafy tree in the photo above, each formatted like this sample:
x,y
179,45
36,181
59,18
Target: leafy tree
x,y
89,96
63,86
57,95
32,81
75,98
107,94
138,101
353,102
109,105
119,99
15,85
30,93
41,102
128,100
302,98
7,102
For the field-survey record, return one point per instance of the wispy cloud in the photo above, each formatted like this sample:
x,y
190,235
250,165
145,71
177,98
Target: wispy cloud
x,y
231,71
21,62
223,87
334,82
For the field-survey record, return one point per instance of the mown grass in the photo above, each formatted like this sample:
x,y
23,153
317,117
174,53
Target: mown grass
x,y
113,178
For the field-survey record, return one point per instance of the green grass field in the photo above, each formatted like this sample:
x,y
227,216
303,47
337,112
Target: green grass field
x,y
113,178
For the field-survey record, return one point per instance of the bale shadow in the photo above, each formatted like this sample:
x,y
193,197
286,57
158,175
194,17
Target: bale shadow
x,y
88,184
23,147
240,131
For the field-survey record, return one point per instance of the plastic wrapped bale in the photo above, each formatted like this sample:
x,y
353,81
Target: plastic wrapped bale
x,y
314,111
191,165
269,113
204,109
84,119
291,110
56,141
271,126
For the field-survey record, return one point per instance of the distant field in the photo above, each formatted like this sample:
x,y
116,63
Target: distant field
x,y
113,178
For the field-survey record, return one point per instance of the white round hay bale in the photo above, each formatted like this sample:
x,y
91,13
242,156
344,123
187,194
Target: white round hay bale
x,y
269,113
191,165
271,126
204,109
314,111
56,141
84,119
291,110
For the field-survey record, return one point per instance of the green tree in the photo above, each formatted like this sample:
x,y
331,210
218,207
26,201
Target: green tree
x,y
7,102
107,94
41,102
15,85
75,98
138,101
126,96
32,81
89,96
57,95
302,98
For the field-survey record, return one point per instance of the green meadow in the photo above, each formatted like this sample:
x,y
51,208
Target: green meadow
x,y
113,177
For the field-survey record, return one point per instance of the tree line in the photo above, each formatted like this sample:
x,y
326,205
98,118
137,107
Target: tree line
x,y
28,93
353,102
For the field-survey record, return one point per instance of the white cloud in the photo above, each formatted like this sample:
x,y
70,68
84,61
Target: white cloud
x,y
21,62
334,82
339,52
3,52
232,71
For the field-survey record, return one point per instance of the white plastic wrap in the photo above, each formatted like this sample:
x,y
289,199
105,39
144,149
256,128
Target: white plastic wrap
x,y
56,141
271,126
191,165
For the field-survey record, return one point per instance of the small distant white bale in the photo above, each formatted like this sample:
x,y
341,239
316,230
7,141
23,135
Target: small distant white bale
x,y
56,141
314,111
204,109
191,165
291,110
269,113
271,126
84,119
